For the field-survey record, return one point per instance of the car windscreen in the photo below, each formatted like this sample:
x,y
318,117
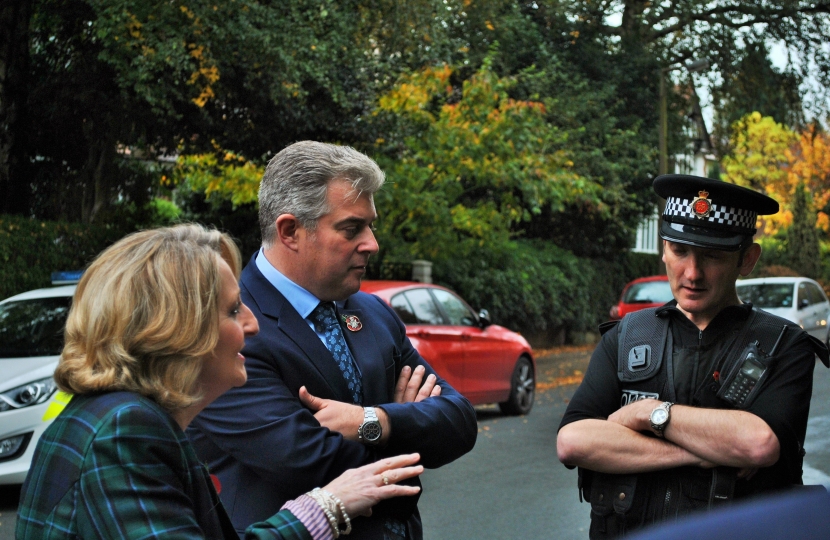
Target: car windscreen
x,y
767,295
648,292
33,327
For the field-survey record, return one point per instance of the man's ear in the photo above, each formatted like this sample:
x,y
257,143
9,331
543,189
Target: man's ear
x,y
288,231
753,253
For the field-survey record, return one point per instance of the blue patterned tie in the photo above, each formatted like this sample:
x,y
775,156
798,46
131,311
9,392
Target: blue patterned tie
x,y
325,322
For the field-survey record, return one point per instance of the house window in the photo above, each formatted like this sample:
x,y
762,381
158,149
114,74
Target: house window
x,y
647,239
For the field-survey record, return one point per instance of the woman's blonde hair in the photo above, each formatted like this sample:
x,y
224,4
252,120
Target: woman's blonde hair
x,y
144,314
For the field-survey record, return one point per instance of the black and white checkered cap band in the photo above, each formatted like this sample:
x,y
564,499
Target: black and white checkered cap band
x,y
718,214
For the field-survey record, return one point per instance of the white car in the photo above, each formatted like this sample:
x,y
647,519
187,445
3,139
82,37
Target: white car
x,y
31,339
798,299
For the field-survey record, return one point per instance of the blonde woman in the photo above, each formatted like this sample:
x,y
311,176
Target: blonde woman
x,y
153,337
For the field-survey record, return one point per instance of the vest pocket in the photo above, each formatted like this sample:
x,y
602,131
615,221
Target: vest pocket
x,y
612,497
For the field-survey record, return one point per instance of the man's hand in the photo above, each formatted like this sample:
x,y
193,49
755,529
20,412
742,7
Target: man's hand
x,y
636,415
343,418
409,388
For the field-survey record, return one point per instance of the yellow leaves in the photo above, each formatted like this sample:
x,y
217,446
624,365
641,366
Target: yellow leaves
x,y
416,90
489,25
769,157
495,160
230,177
293,88
810,164
206,74
196,52
210,73
134,27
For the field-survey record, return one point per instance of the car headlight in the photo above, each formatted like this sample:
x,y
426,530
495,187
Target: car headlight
x,y
29,394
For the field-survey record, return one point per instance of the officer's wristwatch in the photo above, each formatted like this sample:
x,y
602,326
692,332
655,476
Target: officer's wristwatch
x,y
660,417
369,431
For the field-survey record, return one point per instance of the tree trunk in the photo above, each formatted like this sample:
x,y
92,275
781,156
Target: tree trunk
x,y
98,171
632,24
15,16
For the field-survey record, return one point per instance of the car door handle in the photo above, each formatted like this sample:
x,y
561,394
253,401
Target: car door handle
x,y
465,336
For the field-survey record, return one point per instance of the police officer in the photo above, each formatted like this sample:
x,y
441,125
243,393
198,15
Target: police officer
x,y
703,400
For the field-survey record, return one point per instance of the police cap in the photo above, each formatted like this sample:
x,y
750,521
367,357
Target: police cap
x,y
710,213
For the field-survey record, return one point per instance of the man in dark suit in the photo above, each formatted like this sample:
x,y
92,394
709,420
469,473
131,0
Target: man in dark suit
x,y
333,381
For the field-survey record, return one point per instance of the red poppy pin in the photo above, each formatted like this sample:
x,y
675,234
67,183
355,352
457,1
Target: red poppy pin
x,y
216,483
701,205
352,323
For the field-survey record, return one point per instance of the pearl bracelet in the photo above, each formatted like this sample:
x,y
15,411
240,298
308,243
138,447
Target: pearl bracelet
x,y
343,515
334,509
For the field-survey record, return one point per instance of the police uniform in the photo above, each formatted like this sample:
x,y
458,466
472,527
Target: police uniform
x,y
660,354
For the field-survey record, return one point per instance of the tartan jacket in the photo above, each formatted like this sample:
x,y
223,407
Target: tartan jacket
x,y
116,465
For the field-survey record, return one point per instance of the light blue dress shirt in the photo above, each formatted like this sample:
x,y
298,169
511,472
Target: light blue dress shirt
x,y
302,300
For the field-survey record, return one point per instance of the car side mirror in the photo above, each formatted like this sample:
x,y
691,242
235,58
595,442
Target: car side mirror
x,y
803,303
484,318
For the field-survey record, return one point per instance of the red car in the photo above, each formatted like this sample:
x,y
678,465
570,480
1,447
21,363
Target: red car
x,y
644,292
485,362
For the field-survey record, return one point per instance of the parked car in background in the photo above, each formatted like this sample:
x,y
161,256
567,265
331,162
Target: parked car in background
x,y
485,362
642,293
31,339
797,299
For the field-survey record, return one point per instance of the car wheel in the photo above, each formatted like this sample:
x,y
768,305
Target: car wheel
x,y
522,389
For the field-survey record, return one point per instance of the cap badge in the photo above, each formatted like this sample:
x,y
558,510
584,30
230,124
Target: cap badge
x,y
701,205
352,323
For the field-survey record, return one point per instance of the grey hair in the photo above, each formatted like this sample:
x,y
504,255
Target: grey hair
x,y
296,182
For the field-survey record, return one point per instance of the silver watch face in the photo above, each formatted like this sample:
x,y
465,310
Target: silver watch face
x,y
659,416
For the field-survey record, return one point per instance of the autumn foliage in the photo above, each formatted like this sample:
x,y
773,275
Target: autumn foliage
x,y
494,160
771,158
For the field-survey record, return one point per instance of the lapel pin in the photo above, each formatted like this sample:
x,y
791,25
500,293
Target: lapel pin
x,y
352,323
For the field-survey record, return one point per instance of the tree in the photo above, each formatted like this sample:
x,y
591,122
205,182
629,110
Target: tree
x,y
810,166
731,34
220,176
752,83
802,240
768,157
760,160
108,76
468,171
14,70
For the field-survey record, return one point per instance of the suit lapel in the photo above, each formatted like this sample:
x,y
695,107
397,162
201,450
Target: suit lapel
x,y
366,353
294,329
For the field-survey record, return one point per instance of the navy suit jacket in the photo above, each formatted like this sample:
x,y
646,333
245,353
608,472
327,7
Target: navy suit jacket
x,y
267,448
802,514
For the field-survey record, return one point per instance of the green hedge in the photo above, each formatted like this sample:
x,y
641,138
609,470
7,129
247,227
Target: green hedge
x,y
30,250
